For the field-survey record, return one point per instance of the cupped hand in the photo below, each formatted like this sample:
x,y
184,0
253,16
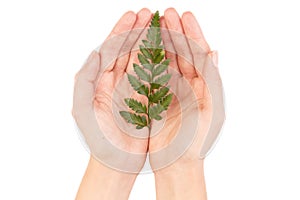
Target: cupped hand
x,y
100,89
196,114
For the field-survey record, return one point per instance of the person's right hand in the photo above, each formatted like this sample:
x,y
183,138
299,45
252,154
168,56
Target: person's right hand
x,y
100,87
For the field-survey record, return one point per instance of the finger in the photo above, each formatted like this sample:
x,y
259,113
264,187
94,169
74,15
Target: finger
x,y
196,40
124,24
85,85
169,47
211,89
192,30
215,88
126,55
215,58
111,47
184,57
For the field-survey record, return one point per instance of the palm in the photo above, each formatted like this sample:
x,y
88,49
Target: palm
x,y
112,88
190,100
108,98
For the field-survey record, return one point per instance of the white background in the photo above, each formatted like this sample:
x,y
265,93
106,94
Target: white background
x,y
44,43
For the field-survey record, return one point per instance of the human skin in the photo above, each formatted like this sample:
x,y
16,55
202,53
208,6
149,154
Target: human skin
x,y
93,98
183,178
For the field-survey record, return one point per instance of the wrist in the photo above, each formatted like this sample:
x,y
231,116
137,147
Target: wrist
x,y
102,182
181,167
113,178
181,181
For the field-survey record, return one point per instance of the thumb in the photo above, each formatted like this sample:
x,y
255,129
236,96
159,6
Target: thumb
x,y
85,85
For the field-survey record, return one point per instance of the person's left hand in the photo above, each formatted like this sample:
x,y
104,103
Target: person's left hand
x,y
196,114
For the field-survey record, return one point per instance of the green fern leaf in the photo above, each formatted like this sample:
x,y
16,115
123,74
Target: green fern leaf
x,y
141,73
152,64
166,101
143,60
156,52
154,86
137,85
147,44
162,80
135,119
135,105
144,90
148,66
154,112
159,57
158,41
154,35
158,95
155,20
145,52
161,68
134,82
